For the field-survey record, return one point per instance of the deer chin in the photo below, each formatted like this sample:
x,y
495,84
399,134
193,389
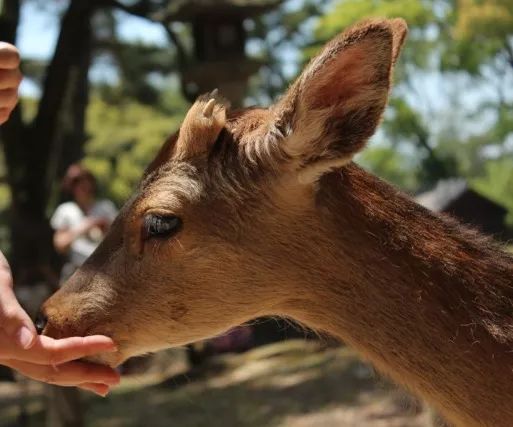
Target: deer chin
x,y
115,359
125,352
132,347
108,359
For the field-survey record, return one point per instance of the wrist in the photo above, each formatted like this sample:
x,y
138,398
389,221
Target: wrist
x,y
80,230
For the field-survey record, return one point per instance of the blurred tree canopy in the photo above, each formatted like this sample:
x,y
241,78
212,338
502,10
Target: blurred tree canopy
x,y
124,138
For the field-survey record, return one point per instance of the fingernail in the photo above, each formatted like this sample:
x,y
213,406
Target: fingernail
x,y
113,381
102,394
25,337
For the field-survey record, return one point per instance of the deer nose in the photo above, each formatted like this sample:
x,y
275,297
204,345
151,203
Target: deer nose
x,y
40,323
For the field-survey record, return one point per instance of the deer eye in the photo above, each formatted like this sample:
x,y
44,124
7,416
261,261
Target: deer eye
x,y
161,225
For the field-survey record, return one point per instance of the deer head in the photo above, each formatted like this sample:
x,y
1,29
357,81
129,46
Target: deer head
x,y
224,225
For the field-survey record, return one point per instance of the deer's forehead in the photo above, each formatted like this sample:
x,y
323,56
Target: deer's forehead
x,y
172,185
221,174
246,125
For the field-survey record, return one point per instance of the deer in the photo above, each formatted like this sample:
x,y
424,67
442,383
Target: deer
x,y
263,212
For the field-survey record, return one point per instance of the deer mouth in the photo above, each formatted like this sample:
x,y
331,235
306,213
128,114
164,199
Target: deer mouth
x,y
45,327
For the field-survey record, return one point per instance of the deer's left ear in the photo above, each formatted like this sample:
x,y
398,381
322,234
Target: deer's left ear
x,y
333,108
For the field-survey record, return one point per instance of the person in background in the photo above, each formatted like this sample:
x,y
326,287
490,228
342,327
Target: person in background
x,y
79,226
81,222
40,357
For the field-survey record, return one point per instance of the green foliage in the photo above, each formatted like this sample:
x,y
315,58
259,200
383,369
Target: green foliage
x,y
391,165
124,138
481,32
419,15
347,12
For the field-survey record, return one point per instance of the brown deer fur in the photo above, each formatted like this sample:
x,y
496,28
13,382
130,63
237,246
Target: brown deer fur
x,y
278,221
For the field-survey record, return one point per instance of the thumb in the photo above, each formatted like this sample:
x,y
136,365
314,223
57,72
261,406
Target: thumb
x,y
14,321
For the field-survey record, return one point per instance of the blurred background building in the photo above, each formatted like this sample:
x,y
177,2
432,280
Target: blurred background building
x,y
456,198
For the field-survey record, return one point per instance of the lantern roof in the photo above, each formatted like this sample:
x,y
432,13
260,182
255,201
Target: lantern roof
x,y
188,10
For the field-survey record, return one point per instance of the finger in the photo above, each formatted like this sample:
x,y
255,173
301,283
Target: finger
x,y
99,389
9,56
10,79
55,352
68,374
8,98
13,319
49,351
4,115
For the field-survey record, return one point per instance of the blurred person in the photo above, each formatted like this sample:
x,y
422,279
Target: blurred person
x,y
81,222
79,226
39,357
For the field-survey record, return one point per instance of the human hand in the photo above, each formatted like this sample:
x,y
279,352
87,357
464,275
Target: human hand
x,y
46,359
91,222
102,223
10,79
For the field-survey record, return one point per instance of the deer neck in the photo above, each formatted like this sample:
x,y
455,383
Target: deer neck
x,y
427,301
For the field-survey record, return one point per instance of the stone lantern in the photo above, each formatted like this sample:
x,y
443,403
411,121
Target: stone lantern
x,y
219,58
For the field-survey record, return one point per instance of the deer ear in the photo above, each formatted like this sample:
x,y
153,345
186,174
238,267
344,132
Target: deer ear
x,y
333,108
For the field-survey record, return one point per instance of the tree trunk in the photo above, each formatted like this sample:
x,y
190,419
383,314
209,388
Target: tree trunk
x,y
36,154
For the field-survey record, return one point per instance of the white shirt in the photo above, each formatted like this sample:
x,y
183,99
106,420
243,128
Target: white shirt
x,y
68,216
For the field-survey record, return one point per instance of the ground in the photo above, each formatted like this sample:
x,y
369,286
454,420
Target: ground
x,y
289,384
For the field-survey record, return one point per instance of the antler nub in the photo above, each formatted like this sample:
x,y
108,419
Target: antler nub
x,y
212,107
208,110
202,124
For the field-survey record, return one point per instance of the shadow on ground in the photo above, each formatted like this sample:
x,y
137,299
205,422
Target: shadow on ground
x,y
295,383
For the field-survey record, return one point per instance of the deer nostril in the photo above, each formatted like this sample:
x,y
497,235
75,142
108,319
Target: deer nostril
x,y
40,323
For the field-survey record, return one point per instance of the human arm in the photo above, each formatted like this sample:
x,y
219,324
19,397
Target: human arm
x,y
64,237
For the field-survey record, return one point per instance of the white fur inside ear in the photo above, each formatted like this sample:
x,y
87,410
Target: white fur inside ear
x,y
299,143
310,173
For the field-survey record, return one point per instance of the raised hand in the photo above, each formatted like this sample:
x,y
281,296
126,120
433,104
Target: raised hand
x,y
10,79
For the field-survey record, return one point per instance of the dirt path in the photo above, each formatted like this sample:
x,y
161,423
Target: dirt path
x,y
289,384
